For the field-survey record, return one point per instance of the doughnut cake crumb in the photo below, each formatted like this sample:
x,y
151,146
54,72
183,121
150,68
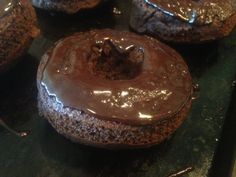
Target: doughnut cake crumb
x,y
111,62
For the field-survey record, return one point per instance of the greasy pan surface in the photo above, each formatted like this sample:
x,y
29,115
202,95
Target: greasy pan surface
x,y
44,153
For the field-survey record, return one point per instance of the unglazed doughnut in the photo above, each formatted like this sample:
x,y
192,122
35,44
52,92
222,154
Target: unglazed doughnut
x,y
187,21
17,29
67,6
113,89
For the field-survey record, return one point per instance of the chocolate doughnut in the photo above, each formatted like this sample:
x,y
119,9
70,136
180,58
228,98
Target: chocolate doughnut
x,y
184,21
113,89
17,29
67,6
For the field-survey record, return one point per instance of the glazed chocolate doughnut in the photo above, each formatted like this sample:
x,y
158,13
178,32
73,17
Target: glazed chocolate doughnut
x,y
17,29
113,89
67,6
184,21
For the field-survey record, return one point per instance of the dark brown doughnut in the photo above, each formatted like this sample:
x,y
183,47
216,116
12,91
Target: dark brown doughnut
x,y
67,6
187,21
114,89
17,29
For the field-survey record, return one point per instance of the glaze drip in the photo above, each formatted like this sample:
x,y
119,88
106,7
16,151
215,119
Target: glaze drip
x,y
159,90
21,134
199,12
6,6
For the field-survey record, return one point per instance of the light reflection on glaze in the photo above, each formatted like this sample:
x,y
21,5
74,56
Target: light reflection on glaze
x,y
159,91
101,92
201,12
116,11
51,94
145,116
132,96
7,6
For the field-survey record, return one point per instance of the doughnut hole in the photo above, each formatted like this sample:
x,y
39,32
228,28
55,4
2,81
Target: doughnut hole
x,y
113,62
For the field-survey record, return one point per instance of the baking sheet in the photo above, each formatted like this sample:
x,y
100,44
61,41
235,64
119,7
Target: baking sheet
x,y
44,153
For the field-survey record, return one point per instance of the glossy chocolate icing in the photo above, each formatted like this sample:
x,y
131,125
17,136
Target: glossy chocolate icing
x,y
6,6
199,12
160,90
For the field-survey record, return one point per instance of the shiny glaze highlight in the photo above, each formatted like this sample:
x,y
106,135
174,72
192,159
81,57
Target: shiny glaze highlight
x,y
6,6
199,12
161,89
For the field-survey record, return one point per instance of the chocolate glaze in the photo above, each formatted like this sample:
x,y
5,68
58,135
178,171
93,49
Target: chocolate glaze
x,y
6,6
21,134
199,12
159,91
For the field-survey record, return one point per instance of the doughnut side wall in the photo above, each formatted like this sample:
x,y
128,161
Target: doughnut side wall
x,y
83,128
